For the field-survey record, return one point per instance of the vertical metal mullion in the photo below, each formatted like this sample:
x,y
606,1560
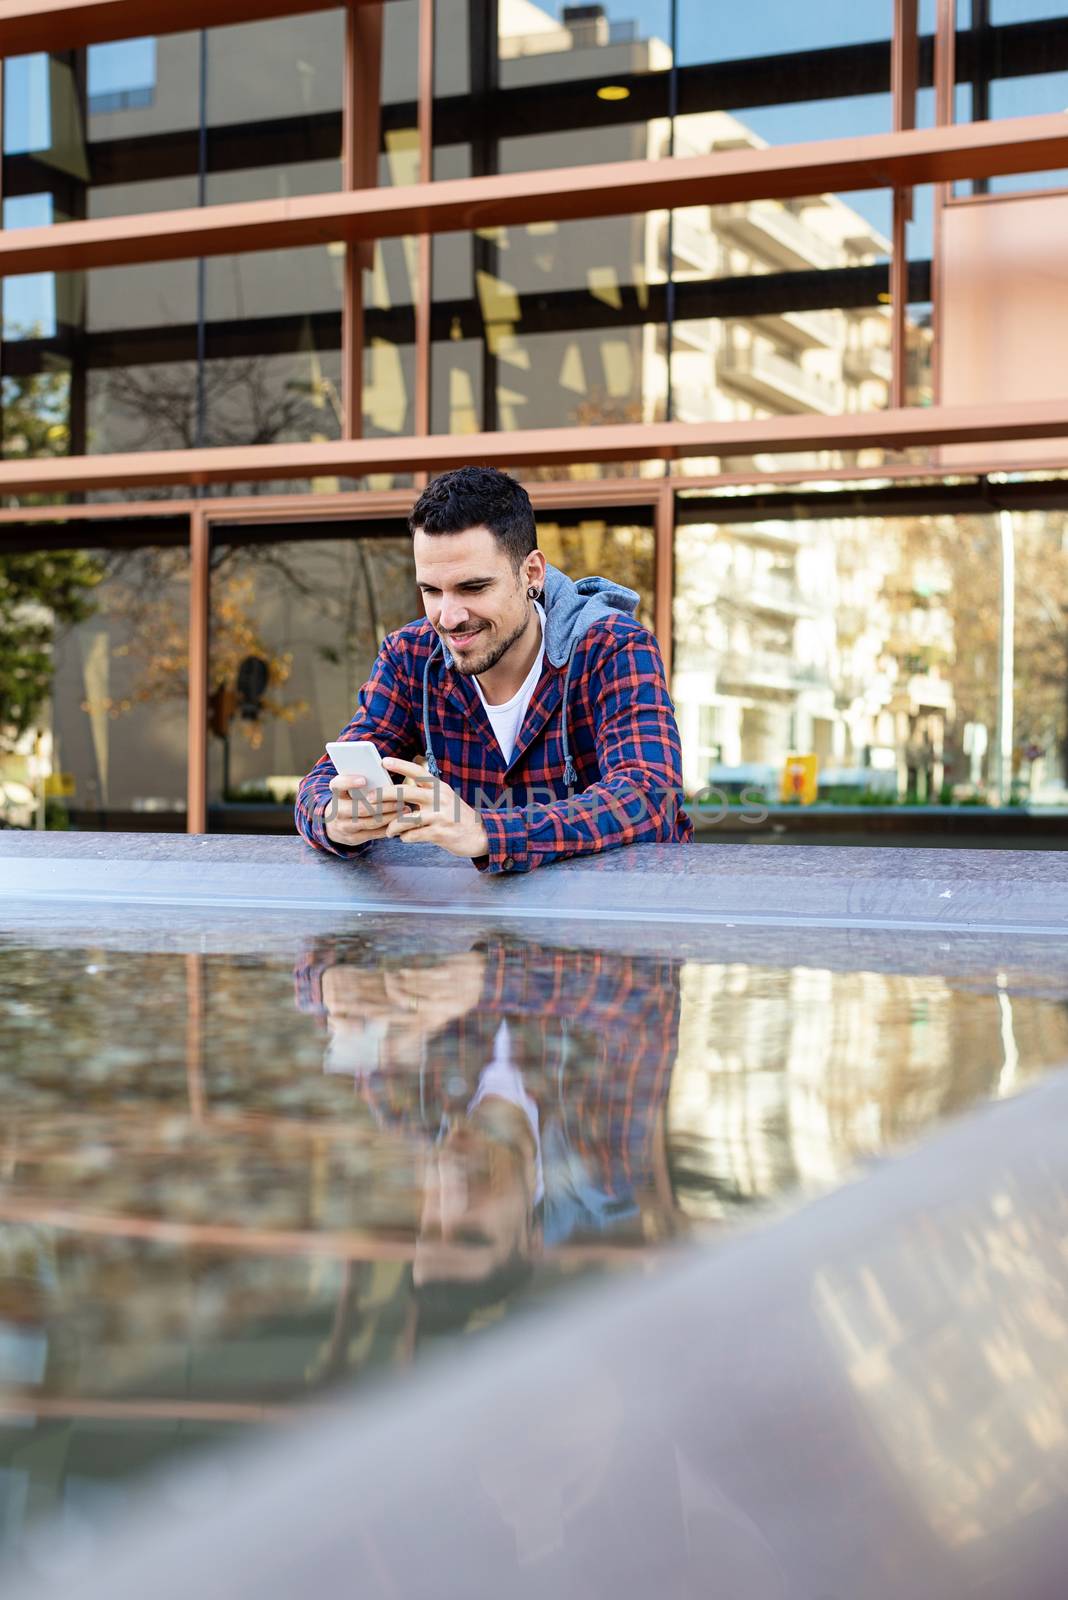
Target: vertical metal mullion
x,y
945,74
361,124
904,76
945,62
424,275
199,613
484,160
200,421
669,298
352,300
664,580
75,191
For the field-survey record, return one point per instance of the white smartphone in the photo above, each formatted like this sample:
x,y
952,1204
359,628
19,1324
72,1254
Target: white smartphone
x,y
358,758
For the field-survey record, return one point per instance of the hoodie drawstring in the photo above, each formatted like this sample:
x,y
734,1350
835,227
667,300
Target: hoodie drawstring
x,y
431,759
570,775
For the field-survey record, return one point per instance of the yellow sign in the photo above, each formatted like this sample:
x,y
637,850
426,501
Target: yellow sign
x,y
800,780
59,786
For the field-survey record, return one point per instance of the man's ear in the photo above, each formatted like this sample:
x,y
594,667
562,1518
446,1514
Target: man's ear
x,y
534,569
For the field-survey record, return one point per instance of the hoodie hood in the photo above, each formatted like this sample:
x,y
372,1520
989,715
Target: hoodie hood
x,y
572,609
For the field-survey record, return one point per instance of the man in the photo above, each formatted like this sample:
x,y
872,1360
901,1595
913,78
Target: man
x,y
536,1080
540,706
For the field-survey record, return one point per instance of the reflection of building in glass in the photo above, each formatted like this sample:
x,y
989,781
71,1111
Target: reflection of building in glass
x,y
788,1081
830,637
718,366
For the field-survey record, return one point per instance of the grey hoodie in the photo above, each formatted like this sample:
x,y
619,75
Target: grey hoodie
x,y
571,610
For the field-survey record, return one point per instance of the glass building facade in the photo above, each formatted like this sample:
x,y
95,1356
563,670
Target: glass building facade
x,y
694,272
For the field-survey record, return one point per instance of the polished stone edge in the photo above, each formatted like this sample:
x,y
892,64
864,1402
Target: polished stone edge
x,y
707,860
1017,964
658,885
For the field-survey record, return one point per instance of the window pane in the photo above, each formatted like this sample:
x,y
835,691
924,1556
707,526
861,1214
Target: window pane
x,y
788,72
1012,61
781,308
617,544
316,608
315,611
871,642
502,70
549,325
115,724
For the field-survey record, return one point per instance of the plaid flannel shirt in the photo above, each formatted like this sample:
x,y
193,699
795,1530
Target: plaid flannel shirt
x,y
595,1034
623,737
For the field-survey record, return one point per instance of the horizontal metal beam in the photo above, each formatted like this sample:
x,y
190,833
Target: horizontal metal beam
x,y
928,155
27,25
902,429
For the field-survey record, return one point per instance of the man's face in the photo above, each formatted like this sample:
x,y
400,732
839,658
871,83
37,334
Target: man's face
x,y
477,1207
473,596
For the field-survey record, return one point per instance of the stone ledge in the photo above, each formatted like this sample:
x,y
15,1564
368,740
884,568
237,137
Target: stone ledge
x,y
771,886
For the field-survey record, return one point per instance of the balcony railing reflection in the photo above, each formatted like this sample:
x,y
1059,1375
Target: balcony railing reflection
x,y
808,330
769,592
774,380
871,362
769,670
777,235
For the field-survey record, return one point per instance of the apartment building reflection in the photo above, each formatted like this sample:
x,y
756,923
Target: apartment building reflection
x,y
788,1082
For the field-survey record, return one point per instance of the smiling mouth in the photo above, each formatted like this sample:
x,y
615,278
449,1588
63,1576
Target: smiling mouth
x,y
464,638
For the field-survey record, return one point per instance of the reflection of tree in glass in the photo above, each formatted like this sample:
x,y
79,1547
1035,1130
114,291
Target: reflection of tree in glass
x,y
156,639
35,411
239,401
969,548
38,589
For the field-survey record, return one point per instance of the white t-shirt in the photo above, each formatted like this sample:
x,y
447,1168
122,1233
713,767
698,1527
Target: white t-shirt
x,y
502,1078
506,720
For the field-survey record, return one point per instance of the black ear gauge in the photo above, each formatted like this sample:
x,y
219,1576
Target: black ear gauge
x,y
533,593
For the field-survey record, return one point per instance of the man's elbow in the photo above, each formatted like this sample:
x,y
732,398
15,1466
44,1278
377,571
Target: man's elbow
x,y
653,809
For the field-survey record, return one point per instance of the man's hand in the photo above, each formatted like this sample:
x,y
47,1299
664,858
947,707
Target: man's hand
x,y
363,817
440,817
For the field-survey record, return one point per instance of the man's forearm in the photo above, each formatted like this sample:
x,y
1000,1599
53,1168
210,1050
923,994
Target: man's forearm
x,y
628,808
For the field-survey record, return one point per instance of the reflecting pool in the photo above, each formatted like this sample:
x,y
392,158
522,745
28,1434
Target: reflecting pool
x,y
230,1183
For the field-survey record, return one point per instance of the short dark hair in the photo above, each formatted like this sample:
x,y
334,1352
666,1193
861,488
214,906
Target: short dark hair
x,y
445,1305
478,497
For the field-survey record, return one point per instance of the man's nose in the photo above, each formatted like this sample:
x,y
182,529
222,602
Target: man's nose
x,y
453,615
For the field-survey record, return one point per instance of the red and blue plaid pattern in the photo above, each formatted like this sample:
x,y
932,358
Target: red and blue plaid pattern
x,y
595,1035
623,737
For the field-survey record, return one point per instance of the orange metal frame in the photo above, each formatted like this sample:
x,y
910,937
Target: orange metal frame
x,y
27,25
905,428
926,155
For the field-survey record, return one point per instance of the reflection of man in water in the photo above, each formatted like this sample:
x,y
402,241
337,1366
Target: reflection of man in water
x,y
536,1077
481,1224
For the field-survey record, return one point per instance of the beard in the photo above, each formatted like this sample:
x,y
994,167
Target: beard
x,y
472,664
